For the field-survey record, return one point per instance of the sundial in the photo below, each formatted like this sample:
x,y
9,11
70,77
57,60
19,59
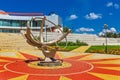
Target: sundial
x,y
47,51
26,66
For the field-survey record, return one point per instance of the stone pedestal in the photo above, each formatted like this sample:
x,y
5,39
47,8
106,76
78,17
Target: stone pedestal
x,y
50,64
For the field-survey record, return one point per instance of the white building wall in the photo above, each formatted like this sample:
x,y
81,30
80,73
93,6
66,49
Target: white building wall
x,y
54,18
90,39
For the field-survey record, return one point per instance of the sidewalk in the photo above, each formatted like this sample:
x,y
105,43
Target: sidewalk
x,y
81,49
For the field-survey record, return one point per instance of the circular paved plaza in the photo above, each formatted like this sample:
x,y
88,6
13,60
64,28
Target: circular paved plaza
x,y
76,66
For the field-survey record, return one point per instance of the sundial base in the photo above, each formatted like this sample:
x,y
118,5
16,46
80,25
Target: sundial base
x,y
50,64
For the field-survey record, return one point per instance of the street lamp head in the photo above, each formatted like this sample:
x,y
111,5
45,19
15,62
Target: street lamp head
x,y
105,26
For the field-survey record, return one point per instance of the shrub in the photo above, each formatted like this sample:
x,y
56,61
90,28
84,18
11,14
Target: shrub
x,y
78,43
111,50
70,43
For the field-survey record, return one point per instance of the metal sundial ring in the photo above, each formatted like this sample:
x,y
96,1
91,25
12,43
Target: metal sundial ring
x,y
48,53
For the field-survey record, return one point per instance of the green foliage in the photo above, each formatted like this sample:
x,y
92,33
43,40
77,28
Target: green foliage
x,y
101,49
68,48
62,43
96,48
111,35
65,29
78,43
70,43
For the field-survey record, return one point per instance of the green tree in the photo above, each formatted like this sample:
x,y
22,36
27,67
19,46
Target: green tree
x,y
65,29
111,35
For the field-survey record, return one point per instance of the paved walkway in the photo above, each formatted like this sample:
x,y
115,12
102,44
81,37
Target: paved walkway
x,y
81,49
76,66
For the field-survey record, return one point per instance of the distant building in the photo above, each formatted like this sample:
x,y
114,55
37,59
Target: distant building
x,y
14,22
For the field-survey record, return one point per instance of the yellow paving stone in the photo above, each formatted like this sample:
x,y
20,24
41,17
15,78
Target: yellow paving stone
x,y
20,55
5,50
111,68
31,52
101,56
11,54
2,60
24,77
60,54
87,57
81,49
109,62
64,78
106,76
69,54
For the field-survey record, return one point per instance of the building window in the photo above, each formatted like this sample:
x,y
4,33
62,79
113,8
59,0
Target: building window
x,y
37,23
23,23
0,22
15,23
6,23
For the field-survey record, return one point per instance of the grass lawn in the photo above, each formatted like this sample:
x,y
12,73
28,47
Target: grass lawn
x,y
96,48
101,49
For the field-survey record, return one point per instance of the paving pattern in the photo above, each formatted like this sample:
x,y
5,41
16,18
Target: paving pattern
x,y
76,66
81,49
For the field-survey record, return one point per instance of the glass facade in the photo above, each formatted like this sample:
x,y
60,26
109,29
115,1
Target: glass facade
x,y
14,23
10,31
36,23
18,23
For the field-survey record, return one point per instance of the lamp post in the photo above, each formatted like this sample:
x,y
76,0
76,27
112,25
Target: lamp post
x,y
106,27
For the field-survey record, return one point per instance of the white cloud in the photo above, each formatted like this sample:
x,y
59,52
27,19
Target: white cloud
x,y
109,4
73,16
83,29
116,6
110,14
92,16
112,29
104,30
101,33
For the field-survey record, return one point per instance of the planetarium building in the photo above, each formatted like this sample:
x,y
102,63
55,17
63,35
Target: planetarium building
x,y
14,22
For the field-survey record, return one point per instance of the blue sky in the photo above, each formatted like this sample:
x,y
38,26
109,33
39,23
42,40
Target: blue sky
x,y
82,16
